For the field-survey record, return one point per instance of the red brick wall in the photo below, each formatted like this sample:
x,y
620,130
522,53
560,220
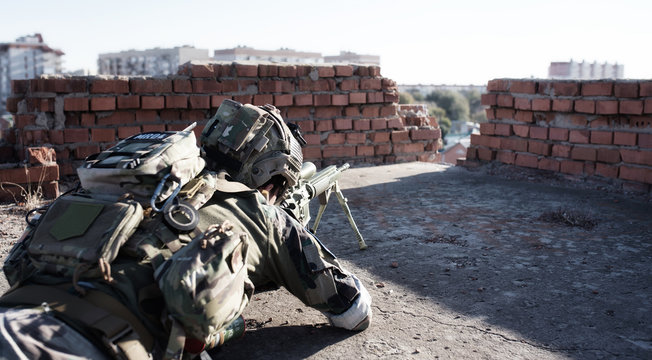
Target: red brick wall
x,y
585,128
347,112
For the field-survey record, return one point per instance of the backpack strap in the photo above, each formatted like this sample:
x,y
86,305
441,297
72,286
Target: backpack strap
x,y
120,331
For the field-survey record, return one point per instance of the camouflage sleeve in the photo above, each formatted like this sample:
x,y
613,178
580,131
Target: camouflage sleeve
x,y
297,261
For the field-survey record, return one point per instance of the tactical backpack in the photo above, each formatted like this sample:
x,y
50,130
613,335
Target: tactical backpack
x,y
141,198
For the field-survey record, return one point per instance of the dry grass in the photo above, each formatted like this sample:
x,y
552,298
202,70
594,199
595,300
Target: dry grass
x,y
31,195
569,218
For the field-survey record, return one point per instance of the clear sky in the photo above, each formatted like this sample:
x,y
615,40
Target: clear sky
x,y
419,41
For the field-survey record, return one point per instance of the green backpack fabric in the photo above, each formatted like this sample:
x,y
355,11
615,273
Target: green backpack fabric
x,y
145,165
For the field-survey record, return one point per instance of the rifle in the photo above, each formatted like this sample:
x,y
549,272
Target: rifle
x,y
320,184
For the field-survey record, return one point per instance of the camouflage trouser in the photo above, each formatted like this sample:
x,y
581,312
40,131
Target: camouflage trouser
x,y
35,334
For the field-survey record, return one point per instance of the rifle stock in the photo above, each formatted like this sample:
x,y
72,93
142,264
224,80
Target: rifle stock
x,y
321,184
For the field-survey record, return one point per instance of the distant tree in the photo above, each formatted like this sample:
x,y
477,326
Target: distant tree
x,y
455,104
405,98
417,95
443,121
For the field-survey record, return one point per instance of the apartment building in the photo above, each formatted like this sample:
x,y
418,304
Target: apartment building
x,y
280,55
585,70
150,62
25,58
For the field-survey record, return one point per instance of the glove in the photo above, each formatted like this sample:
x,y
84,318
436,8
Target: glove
x,y
358,316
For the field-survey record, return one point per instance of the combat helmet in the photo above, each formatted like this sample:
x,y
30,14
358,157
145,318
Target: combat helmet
x,y
254,145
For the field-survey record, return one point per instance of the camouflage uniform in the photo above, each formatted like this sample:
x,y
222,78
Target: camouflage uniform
x,y
280,252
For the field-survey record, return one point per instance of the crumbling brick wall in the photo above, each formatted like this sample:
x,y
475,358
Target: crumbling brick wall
x,y
346,112
599,129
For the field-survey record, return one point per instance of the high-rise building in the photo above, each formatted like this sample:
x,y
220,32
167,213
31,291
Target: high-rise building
x,y
353,58
26,58
585,71
150,62
280,55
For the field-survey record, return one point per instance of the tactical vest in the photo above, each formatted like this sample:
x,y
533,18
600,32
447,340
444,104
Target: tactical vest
x,y
136,211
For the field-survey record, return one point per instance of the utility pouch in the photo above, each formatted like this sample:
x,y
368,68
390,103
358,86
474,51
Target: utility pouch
x,y
79,232
205,284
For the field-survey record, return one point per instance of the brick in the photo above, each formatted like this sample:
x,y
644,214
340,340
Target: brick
x,y
141,86
182,86
647,106
645,88
425,134
527,160
504,156
504,113
491,113
103,103
246,70
87,120
602,88
503,129
370,84
601,137
342,124
103,135
22,121
375,97
572,167
206,86
565,88
624,138
327,112
541,104
645,140
514,144
524,116
84,151
605,170
403,148
636,156
357,98
217,100
379,137
349,84
263,99
298,112
287,71
116,118
579,136
370,111
321,99
391,97
76,104
558,134
56,137
549,164
323,125
283,100
631,107
338,151
626,89
486,154
539,147
317,85
343,70
561,150
400,136
202,70
489,99
505,100
562,105
391,111
522,104
117,86
356,138
635,174
153,127
606,107
361,124
152,102
487,128
127,131
335,139
585,106
583,153
128,102
31,174
146,115
267,70
75,135
537,132
59,85
608,155
523,87
340,99
325,71
383,149
365,150
276,86
303,100
379,124
498,85
176,101
520,130
199,101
